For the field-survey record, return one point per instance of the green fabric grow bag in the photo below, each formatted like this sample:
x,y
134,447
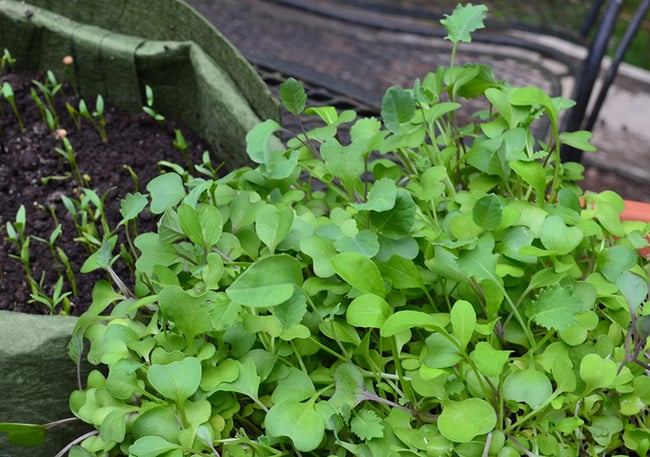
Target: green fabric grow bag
x,y
36,379
118,46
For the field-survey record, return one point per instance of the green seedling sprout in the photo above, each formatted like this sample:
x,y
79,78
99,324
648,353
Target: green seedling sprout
x,y
96,118
8,94
181,145
149,106
58,298
74,115
16,236
67,153
50,88
206,168
6,61
99,120
38,101
88,215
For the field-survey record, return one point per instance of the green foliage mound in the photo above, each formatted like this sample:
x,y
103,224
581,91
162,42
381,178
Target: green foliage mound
x,y
424,289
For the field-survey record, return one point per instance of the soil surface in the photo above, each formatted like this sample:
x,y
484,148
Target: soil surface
x,y
30,169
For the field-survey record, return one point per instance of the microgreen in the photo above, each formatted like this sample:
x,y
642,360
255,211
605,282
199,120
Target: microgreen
x,y
49,89
7,62
148,107
96,118
426,288
7,93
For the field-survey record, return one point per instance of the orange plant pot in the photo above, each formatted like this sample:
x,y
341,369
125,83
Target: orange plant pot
x,y
638,211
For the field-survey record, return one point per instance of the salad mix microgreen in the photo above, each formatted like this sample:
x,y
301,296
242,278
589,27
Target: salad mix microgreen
x,y
428,288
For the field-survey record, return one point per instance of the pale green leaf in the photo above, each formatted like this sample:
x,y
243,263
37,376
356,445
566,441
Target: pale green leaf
x,y
463,420
267,282
368,311
464,20
283,418
293,96
360,272
367,425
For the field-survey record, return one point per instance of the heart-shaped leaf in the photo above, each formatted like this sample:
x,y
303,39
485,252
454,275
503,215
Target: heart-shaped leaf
x,y
267,282
461,421
176,381
298,421
557,237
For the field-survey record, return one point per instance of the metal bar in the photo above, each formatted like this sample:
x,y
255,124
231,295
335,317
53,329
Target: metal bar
x,y
622,48
592,18
585,84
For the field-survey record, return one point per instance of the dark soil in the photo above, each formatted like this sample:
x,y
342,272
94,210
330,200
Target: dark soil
x,y
134,140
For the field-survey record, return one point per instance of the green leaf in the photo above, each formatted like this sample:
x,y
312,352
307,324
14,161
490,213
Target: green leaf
x,y
258,141
293,96
529,386
248,381
463,21
293,385
402,273
282,418
267,282
368,311
151,446
463,321
272,225
406,319
176,381
557,237
321,252
489,361
617,260
597,372
349,386
397,222
23,434
365,243
166,191
367,425
397,107
533,174
132,205
634,289
556,307
487,212
441,352
461,421
190,313
202,227
360,272
381,197
578,140
344,162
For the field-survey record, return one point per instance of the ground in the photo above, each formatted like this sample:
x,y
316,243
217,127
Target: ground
x,y
29,159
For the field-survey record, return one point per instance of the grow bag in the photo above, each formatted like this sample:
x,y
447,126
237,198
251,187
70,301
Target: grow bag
x,y
119,46
36,378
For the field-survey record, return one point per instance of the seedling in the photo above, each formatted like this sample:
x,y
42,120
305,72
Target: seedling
x,y
96,118
180,144
16,236
8,94
6,62
149,106
68,69
50,88
67,153
75,115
